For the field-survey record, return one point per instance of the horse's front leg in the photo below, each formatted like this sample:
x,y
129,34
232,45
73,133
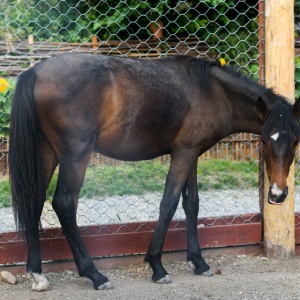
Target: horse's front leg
x,y
181,163
191,208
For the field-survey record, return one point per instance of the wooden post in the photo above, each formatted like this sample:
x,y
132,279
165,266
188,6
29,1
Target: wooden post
x,y
31,39
94,42
31,42
279,223
262,78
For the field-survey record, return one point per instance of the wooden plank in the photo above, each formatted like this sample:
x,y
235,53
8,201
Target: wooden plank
x,y
279,239
297,235
134,238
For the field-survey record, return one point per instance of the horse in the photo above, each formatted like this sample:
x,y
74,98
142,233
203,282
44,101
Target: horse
x,y
68,106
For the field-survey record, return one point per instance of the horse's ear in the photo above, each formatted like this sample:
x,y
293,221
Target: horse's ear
x,y
296,108
261,107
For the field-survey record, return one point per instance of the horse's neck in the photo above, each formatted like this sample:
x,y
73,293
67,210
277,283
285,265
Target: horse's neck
x,y
247,117
241,98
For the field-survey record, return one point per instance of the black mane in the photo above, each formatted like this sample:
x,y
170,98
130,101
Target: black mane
x,y
282,119
198,69
201,70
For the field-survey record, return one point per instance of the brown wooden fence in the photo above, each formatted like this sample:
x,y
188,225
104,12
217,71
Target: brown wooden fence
x,y
16,57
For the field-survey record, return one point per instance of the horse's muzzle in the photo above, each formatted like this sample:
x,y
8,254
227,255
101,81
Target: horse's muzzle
x,y
277,199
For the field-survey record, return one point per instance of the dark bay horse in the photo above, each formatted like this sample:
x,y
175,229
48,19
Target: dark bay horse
x,y
68,106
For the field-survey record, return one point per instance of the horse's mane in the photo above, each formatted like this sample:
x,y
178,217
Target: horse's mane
x,y
281,118
198,69
232,79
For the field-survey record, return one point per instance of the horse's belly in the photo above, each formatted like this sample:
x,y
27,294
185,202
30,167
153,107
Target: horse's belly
x,y
131,150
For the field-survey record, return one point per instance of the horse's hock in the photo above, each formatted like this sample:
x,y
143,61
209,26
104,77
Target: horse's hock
x,y
230,200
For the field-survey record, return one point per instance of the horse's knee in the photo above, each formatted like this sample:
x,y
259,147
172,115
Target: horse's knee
x,y
64,206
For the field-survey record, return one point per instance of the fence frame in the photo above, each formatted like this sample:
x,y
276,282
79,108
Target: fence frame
x,y
133,238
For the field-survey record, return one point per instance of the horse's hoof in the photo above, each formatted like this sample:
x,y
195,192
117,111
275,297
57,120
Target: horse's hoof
x,y
40,282
105,286
208,273
164,280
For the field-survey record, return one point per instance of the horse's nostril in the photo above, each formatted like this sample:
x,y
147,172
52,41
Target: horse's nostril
x,y
275,192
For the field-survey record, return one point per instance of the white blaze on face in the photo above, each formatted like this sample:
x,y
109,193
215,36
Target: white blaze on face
x,y
275,190
275,136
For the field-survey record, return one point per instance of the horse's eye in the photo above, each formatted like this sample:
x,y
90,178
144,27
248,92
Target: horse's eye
x,y
263,140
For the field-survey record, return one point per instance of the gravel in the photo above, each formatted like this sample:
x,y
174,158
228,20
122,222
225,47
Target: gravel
x,y
242,277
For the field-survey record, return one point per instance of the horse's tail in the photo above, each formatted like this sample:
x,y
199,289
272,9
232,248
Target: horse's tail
x,y
25,158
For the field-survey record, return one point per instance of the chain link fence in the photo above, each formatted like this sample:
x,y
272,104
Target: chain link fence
x,y
121,192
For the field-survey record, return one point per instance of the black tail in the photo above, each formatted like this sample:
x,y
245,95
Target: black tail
x,y
25,159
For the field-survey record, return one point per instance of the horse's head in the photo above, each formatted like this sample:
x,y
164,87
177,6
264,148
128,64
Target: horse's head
x,y
279,137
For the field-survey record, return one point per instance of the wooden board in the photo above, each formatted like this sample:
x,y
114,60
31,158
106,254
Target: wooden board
x,y
134,238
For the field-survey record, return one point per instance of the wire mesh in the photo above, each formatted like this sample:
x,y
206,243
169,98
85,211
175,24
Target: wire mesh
x,y
121,192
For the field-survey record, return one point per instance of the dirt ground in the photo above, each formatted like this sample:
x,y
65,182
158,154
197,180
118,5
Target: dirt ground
x,y
242,277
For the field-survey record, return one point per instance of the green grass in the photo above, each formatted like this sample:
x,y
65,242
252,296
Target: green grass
x,y
226,174
5,193
130,178
150,176
140,177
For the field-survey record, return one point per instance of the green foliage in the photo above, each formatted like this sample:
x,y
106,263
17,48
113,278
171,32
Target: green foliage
x,y
57,20
228,27
5,106
297,77
5,193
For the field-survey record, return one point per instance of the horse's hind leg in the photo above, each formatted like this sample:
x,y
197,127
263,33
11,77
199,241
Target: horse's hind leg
x,y
71,175
191,208
34,263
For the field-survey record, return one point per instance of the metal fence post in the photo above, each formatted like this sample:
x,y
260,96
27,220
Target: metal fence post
x,y
279,228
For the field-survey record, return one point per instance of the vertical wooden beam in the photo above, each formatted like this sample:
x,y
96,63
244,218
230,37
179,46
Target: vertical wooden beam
x,y
31,42
261,72
279,228
94,42
31,39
